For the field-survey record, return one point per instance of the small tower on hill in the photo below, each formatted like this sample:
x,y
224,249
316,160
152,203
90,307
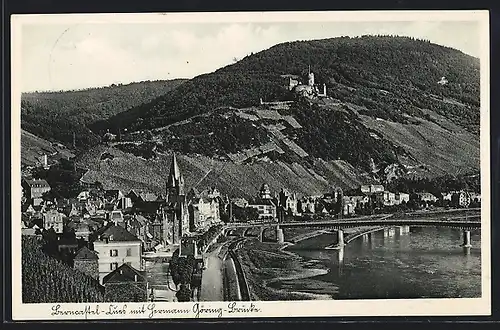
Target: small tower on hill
x,y
310,77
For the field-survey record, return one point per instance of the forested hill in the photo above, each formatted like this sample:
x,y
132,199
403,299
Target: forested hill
x,y
56,115
389,76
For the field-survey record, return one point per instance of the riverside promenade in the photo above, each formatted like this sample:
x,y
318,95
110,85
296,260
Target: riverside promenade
x,y
212,288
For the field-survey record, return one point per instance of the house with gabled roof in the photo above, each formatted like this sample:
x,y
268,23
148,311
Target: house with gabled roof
x,y
82,229
112,195
427,197
203,208
87,262
83,196
125,284
265,204
28,209
34,189
116,216
138,225
53,219
116,246
288,201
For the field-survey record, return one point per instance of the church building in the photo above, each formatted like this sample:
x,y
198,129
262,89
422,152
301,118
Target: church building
x,y
175,214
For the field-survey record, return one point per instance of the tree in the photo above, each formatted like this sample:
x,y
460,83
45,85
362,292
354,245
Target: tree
x,y
414,202
174,267
184,294
51,195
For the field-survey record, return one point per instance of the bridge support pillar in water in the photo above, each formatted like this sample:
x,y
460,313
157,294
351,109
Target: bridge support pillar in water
x,y
467,243
389,232
280,236
404,230
340,238
340,256
366,238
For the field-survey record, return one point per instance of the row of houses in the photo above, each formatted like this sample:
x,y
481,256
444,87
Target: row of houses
x,y
285,202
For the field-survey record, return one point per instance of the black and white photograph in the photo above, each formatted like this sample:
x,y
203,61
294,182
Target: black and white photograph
x,y
250,164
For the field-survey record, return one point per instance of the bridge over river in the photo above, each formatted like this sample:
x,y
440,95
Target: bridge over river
x,y
466,220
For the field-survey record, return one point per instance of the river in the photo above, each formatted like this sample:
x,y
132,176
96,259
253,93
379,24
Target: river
x,y
424,263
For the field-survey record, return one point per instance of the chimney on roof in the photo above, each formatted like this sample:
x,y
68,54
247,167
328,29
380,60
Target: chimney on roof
x,y
121,271
135,278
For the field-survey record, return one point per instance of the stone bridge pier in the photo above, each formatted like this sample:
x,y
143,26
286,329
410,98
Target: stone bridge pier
x,y
467,241
280,236
389,232
340,249
340,238
403,230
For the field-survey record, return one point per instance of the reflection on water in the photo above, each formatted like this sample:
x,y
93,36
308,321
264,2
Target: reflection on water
x,y
426,262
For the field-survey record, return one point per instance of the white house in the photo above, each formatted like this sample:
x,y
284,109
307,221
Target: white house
x,y
401,197
53,219
116,246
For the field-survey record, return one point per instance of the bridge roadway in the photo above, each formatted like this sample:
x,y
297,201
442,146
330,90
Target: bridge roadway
x,y
470,222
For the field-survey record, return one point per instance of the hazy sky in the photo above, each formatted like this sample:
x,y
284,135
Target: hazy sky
x,y
72,56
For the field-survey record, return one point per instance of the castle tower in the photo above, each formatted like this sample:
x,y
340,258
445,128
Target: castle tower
x,y
175,182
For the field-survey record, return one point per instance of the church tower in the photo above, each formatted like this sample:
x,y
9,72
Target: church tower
x,y
175,182
177,210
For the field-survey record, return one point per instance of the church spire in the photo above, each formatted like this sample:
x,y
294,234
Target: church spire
x,y
175,181
175,173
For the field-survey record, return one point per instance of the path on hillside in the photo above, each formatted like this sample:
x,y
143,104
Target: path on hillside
x,y
212,278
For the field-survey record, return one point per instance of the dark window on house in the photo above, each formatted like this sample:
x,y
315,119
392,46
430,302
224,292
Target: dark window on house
x,y
113,266
129,252
113,253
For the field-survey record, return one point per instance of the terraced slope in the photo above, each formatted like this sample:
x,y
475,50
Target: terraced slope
x,y
126,171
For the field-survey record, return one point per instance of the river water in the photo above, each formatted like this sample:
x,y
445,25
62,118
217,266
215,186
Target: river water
x,y
424,263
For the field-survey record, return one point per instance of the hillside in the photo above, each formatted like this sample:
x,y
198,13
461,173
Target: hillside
x,y
34,147
395,107
391,76
74,111
46,280
126,171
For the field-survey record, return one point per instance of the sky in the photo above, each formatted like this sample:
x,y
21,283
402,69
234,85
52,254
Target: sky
x,y
74,55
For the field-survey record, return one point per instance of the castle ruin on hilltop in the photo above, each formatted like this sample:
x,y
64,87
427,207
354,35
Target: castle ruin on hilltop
x,y
310,90
294,84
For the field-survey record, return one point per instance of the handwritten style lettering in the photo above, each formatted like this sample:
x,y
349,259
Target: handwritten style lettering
x,y
152,310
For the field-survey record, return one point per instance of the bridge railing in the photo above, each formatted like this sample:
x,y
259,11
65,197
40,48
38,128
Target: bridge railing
x,y
473,220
